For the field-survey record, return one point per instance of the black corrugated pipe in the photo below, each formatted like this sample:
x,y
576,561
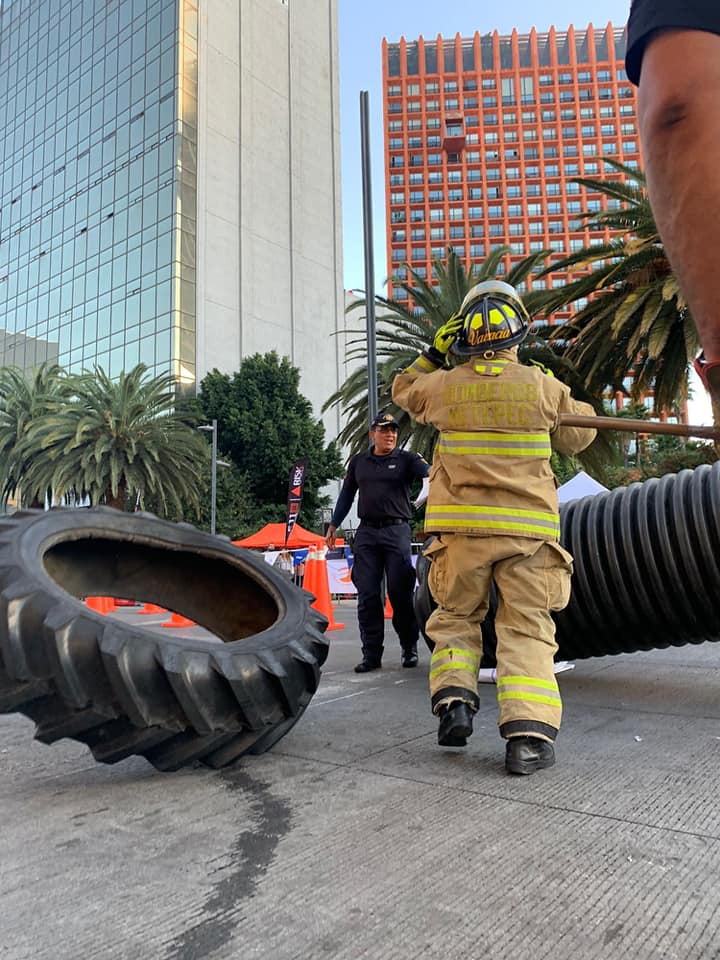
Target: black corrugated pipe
x,y
647,567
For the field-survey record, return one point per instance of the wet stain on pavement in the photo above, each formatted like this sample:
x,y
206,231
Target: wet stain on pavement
x,y
250,856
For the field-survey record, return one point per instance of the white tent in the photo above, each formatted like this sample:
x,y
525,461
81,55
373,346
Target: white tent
x,y
581,485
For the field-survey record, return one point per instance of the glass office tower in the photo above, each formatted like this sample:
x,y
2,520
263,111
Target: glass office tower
x,y
98,127
169,193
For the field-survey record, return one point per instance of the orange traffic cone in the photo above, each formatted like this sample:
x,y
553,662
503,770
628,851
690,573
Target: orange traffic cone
x,y
152,608
321,588
388,608
178,620
101,604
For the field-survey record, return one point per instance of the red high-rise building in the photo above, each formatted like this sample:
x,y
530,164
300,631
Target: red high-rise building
x,y
485,135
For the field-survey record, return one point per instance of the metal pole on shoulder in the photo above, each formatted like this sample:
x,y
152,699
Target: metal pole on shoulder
x,y
629,425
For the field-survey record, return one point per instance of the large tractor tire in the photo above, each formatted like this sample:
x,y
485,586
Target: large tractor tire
x,y
125,690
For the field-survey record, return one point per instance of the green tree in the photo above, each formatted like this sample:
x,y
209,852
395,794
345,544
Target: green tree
x,y
635,323
264,426
23,399
113,439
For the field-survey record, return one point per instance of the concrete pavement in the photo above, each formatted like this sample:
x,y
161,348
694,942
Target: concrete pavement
x,y
358,837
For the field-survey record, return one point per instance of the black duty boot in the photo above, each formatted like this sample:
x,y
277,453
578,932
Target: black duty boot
x,y
527,754
365,666
409,657
455,724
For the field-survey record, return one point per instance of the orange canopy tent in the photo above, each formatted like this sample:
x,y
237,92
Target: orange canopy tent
x,y
274,533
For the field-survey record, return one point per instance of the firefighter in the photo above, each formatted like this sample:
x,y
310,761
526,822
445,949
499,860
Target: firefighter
x,y
494,507
382,547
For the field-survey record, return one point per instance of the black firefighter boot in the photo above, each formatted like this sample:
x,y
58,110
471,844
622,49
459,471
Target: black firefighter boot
x,y
527,754
455,724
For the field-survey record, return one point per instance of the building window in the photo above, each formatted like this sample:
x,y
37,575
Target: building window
x,y
397,197
477,230
417,233
455,195
457,233
437,233
396,179
415,178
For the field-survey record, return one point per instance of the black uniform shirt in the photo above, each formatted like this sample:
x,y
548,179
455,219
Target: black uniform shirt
x,y
383,483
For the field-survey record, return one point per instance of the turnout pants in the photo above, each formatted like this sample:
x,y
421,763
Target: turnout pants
x,y
379,551
532,578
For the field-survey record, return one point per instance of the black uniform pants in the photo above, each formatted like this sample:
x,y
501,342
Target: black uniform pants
x,y
378,551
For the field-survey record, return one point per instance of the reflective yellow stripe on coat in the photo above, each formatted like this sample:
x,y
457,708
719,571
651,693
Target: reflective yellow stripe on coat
x,y
500,519
496,444
529,689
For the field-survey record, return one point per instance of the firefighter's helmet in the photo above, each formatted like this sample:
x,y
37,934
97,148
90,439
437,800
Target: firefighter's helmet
x,y
495,319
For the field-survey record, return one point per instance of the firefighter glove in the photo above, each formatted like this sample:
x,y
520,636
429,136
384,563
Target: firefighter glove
x,y
445,337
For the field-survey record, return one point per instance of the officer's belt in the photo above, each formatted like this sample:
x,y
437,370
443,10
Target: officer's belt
x,y
377,524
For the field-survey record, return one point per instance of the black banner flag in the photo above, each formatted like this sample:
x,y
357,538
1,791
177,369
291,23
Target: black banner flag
x,y
295,488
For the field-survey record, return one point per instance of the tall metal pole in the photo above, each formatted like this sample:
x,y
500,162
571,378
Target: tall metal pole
x,y
369,259
213,479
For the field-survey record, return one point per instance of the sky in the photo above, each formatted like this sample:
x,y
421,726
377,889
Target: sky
x,y
362,25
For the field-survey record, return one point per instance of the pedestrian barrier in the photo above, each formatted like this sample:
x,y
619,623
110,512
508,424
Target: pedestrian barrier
x,y
178,620
316,582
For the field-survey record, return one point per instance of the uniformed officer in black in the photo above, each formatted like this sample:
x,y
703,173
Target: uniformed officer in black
x,y
382,476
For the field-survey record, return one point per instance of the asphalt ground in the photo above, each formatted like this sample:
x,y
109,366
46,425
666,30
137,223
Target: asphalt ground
x,y
358,837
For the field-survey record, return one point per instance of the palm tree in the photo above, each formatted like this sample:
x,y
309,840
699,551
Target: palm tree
x,y
402,333
636,323
24,399
115,438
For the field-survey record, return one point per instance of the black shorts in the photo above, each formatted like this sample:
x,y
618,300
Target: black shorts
x,y
647,16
